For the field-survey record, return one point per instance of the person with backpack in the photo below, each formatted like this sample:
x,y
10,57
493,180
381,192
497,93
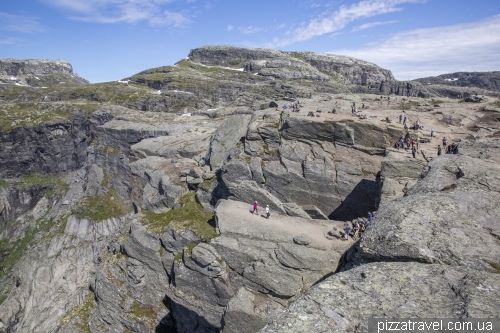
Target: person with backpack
x,y
439,150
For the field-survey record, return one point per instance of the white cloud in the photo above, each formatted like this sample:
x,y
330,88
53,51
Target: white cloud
x,y
9,41
331,22
129,11
19,23
433,51
371,25
250,29
229,28
170,18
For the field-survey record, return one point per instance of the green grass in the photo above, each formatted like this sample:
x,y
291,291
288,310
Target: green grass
x,y
82,312
436,101
2,299
449,187
145,313
190,216
102,207
495,266
32,180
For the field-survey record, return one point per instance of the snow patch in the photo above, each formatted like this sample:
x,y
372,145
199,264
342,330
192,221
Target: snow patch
x,y
37,78
451,80
186,115
127,81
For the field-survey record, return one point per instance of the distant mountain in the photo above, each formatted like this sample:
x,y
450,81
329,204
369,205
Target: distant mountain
x,y
38,73
483,80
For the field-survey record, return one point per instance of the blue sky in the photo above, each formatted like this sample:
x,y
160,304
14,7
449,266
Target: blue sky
x,y
107,40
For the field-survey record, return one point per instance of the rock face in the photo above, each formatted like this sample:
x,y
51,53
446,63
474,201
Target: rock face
x,y
294,65
127,206
345,301
422,256
50,148
482,80
37,72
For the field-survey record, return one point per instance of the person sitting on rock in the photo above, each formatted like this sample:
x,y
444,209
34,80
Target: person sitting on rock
x,y
361,229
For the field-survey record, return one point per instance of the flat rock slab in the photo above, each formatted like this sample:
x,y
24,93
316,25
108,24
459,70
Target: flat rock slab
x,y
235,219
451,227
345,301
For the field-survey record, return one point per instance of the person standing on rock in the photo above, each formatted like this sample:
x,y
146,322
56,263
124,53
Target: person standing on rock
x,y
413,151
268,213
347,231
370,217
255,208
400,118
439,150
444,142
404,120
432,133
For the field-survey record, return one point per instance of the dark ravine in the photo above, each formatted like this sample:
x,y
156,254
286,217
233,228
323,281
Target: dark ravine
x,y
128,210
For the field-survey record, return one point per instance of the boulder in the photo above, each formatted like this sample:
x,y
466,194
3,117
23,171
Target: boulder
x,y
228,134
344,302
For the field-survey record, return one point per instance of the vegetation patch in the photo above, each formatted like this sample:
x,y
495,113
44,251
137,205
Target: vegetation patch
x,y
495,265
436,101
82,312
33,180
145,313
190,216
449,187
102,207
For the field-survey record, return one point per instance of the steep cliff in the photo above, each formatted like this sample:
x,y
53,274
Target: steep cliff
x,y
127,206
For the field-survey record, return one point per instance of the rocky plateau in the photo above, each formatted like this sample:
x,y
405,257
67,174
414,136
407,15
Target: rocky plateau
x,y
127,206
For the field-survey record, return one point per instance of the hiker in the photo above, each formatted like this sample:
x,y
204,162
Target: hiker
x,y
455,150
255,208
347,231
416,144
336,101
413,151
361,229
404,120
432,133
400,118
267,212
439,150
363,106
444,142
355,230
370,217
412,142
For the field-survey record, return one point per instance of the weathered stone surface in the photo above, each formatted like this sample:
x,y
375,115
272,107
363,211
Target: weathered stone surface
x,y
274,279
345,301
397,164
225,138
143,246
205,259
293,209
158,187
419,227
248,312
64,145
314,212
302,239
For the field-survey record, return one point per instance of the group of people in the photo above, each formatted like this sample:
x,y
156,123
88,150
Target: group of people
x,y
294,106
256,209
450,149
358,227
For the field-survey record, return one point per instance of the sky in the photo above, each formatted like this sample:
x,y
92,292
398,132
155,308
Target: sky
x,y
107,40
